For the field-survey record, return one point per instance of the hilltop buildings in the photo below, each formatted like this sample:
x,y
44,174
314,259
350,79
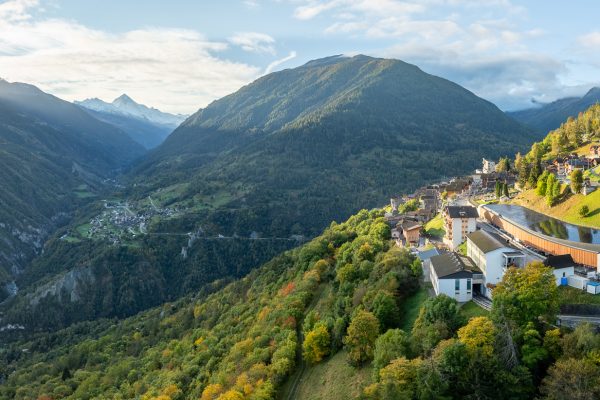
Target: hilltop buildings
x,y
459,221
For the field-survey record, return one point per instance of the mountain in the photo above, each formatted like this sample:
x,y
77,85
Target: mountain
x,y
547,117
147,126
300,147
253,174
51,154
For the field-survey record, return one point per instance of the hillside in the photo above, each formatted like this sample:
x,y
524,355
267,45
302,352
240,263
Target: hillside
x,y
254,173
51,155
301,147
547,117
147,126
325,312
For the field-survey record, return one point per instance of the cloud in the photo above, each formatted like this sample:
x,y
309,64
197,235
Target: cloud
x,y
254,42
271,67
176,69
590,40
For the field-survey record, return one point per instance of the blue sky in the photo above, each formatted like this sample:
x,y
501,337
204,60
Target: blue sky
x,y
180,55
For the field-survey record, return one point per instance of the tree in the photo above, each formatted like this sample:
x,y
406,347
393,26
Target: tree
x,y
505,190
503,165
317,343
584,210
526,294
541,184
360,340
551,182
478,335
576,180
386,310
440,308
532,350
523,174
572,379
498,189
389,346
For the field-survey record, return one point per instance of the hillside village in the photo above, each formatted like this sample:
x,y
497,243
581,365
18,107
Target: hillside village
x,y
466,239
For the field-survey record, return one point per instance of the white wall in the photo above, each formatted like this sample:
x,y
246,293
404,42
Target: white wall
x,y
558,273
447,287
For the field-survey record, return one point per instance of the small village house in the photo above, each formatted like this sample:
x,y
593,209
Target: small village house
x,y
454,275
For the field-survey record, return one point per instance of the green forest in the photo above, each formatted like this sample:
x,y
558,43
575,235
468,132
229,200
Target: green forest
x,y
344,293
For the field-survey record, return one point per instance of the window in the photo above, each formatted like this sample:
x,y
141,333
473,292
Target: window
x,y
468,284
457,284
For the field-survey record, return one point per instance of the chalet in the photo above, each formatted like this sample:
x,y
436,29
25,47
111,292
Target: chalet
x,y
411,231
459,221
454,275
493,256
563,266
457,186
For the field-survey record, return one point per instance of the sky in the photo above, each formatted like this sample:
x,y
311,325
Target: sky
x,y
180,55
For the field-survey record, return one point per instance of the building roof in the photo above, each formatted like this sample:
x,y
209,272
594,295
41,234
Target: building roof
x,y
410,225
462,212
453,265
427,254
558,262
487,241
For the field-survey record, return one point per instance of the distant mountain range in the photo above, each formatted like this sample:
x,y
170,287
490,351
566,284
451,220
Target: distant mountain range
x,y
48,149
547,117
147,126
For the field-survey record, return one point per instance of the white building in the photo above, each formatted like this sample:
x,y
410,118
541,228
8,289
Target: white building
x,y
454,275
488,166
493,255
459,221
562,266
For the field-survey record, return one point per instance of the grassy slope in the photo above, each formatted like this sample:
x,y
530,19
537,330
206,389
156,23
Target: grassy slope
x,y
435,227
567,210
570,295
470,310
410,308
331,380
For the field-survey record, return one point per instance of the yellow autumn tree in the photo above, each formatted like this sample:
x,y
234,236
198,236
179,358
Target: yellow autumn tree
x,y
212,391
478,335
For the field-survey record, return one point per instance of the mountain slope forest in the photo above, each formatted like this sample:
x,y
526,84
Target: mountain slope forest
x,y
338,296
548,117
51,155
262,168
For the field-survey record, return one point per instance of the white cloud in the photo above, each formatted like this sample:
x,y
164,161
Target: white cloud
x,y
590,40
174,69
271,67
254,42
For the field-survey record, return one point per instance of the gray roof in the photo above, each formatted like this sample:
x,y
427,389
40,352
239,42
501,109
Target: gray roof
x,y
427,254
462,212
453,265
487,241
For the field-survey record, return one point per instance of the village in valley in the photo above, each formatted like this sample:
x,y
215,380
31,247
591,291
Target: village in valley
x,y
468,231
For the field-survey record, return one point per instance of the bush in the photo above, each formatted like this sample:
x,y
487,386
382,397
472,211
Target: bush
x,y
584,211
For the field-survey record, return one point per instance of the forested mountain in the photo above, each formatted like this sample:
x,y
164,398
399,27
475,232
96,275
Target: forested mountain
x,y
332,305
301,147
274,162
51,152
147,126
550,116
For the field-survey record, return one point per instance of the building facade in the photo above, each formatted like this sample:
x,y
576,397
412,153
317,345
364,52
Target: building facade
x,y
459,221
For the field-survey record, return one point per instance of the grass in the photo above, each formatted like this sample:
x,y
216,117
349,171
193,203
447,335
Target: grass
x,y
470,310
462,248
570,295
331,379
411,307
83,230
567,210
435,227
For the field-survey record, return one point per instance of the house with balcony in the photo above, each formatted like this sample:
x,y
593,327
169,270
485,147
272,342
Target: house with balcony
x,y
459,221
454,275
493,255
